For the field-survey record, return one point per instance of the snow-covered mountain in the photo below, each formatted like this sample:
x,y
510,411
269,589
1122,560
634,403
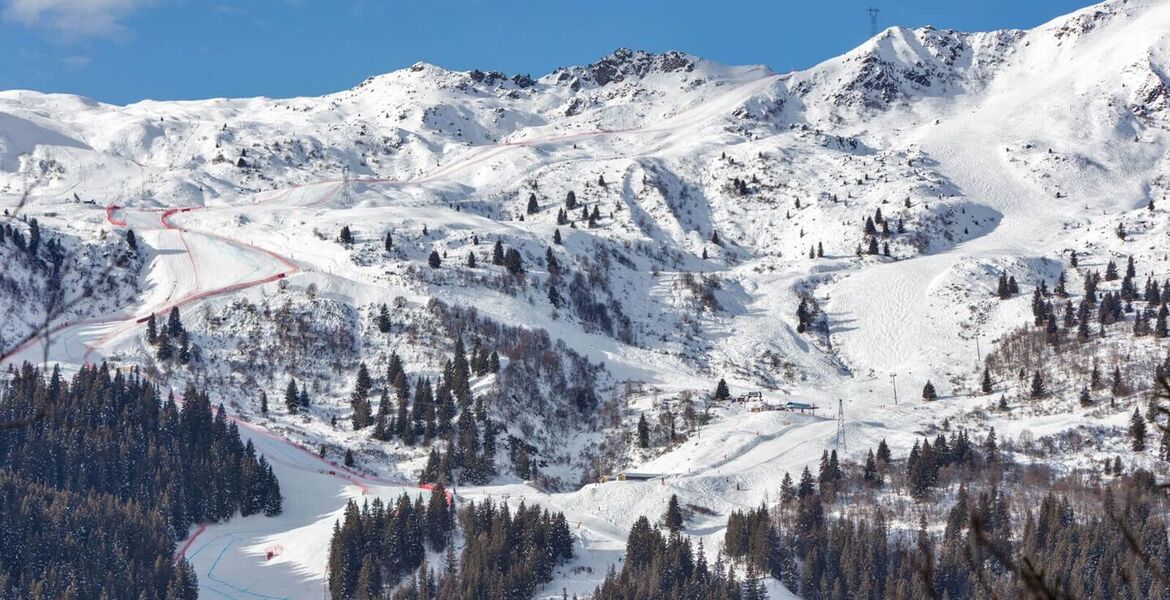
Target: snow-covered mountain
x,y
708,201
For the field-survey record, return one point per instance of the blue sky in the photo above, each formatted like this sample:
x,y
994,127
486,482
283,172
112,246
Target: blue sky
x,y
126,50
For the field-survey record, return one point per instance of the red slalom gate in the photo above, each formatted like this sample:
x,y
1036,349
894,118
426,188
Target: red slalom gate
x,y
110,209
430,487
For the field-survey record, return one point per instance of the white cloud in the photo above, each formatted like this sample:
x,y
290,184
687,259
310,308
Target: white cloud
x,y
76,18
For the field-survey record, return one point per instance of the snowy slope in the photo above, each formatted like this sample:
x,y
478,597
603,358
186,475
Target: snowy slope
x,y
999,152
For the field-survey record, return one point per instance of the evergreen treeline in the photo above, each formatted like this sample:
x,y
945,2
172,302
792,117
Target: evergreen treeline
x,y
994,544
110,432
1058,553
1005,541
505,555
667,566
378,544
54,254
56,544
101,464
538,374
1063,334
442,410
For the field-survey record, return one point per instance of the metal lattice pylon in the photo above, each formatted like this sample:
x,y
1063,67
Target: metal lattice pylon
x,y
841,425
873,19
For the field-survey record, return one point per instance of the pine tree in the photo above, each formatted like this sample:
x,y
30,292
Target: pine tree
x,y
990,446
460,373
498,253
471,264
521,464
551,263
883,454
131,240
721,390
34,237
184,348
369,584
433,260
557,237
787,489
870,473
1037,390
928,392
346,236
359,401
263,403
1161,329
803,316
382,428
643,432
151,329
533,205
363,383
165,350
985,386
174,323
440,519
1061,288
513,262
388,241
348,460
1118,387
1137,430
402,424
383,319
673,517
291,398
806,488
752,586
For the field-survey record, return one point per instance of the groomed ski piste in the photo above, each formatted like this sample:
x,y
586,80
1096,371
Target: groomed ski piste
x,y
990,145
